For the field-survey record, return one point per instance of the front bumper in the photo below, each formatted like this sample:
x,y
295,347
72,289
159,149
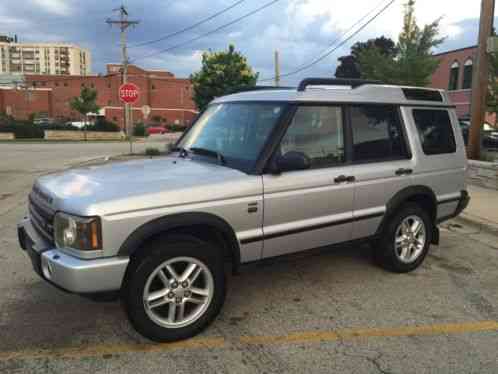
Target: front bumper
x,y
68,272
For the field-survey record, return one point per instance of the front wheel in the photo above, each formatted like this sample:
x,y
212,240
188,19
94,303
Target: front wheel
x,y
177,290
405,240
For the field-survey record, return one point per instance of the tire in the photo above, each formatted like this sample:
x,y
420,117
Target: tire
x,y
151,273
392,257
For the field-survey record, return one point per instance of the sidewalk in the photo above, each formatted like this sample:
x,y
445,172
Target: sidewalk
x,y
482,209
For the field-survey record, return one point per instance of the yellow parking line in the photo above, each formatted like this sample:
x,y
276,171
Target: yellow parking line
x,y
451,328
110,349
301,337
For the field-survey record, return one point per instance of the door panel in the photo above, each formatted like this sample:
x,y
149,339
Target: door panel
x,y
382,164
306,209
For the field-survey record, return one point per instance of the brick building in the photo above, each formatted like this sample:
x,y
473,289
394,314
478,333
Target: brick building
x,y
455,75
163,94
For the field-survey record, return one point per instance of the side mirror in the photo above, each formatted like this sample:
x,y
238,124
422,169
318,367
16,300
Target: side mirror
x,y
291,161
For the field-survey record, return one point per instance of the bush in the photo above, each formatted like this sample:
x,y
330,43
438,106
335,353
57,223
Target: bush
x,y
103,125
23,130
176,128
139,130
152,151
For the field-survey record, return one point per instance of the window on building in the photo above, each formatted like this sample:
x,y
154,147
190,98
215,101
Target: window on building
x,y
467,74
65,84
153,87
377,134
114,118
454,74
318,133
435,131
56,84
83,85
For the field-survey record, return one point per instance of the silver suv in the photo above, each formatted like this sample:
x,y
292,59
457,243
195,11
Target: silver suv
x,y
260,174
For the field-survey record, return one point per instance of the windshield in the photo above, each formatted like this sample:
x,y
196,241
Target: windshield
x,y
235,131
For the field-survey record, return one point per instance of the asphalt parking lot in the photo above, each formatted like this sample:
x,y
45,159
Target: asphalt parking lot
x,y
334,312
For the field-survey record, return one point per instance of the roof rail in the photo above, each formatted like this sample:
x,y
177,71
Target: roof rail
x,y
259,88
354,83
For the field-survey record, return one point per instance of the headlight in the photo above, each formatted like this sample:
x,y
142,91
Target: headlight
x,y
81,233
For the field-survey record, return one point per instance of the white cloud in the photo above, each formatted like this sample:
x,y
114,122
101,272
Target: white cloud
x,y
58,7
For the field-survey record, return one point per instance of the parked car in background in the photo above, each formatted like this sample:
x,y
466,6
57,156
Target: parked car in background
x,y
152,130
490,139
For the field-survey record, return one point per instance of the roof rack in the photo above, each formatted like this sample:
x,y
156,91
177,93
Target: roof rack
x,y
354,83
259,88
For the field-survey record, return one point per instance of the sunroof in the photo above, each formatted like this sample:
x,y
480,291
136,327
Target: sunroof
x,y
420,94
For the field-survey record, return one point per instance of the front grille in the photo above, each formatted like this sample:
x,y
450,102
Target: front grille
x,y
42,219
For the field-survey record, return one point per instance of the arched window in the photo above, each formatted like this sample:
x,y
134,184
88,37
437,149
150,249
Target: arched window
x,y
467,74
454,73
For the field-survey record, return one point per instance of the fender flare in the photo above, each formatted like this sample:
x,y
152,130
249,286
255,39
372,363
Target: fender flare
x,y
402,196
170,222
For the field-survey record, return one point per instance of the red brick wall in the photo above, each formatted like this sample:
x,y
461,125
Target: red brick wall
x,y
21,103
167,96
441,78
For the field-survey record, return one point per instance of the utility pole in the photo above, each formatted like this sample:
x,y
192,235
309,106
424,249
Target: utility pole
x,y
277,70
480,79
123,23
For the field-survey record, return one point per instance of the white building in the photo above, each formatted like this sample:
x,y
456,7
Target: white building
x,y
43,58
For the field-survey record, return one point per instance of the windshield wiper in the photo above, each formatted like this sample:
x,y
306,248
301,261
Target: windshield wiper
x,y
209,152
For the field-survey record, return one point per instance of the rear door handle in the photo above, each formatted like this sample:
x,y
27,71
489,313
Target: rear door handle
x,y
404,171
344,179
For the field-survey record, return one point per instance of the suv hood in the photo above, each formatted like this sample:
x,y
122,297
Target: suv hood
x,y
141,184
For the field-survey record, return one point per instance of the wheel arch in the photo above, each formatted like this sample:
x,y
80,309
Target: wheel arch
x,y
205,226
421,195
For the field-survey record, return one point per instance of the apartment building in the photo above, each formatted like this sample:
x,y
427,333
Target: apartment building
x,y
43,58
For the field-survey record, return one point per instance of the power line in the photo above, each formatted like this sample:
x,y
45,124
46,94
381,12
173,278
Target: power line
x,y
336,47
209,32
188,28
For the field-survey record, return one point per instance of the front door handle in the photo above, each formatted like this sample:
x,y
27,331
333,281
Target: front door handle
x,y
344,179
404,171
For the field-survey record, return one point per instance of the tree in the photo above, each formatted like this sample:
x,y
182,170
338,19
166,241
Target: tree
x,y
221,73
85,103
350,68
411,63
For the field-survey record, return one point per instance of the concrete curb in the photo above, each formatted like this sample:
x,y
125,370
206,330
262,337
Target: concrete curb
x,y
483,224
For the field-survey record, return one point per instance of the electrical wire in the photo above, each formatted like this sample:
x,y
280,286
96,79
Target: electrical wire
x,y
188,28
179,45
334,45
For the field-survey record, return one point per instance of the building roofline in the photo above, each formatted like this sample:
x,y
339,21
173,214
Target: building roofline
x,y
454,50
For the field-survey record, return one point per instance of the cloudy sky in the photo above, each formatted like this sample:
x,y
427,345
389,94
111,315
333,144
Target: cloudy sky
x,y
301,30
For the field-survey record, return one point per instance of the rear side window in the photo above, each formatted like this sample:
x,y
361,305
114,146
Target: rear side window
x,y
377,134
435,131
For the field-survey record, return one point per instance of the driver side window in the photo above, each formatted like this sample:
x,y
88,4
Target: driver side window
x,y
316,131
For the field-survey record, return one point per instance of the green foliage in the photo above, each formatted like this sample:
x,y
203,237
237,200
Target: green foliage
x,y
349,66
411,62
176,128
221,73
139,130
86,102
150,151
103,125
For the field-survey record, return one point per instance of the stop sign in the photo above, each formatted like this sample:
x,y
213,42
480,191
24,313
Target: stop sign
x,y
128,93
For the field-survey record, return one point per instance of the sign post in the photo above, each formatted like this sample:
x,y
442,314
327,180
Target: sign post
x,y
129,94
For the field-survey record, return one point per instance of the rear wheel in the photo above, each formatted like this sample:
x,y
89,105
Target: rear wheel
x,y
405,240
177,290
